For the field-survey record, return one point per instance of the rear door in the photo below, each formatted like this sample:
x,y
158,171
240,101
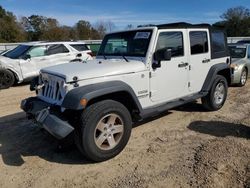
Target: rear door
x,y
59,54
199,58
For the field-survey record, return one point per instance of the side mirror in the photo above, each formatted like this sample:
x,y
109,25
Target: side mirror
x,y
163,54
27,56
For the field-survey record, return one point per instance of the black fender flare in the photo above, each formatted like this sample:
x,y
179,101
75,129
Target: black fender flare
x,y
214,70
89,92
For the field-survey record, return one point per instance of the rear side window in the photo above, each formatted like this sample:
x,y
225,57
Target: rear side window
x,y
80,47
172,41
218,42
56,49
198,42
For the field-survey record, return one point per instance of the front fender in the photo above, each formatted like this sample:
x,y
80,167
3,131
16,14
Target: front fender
x,y
17,72
73,97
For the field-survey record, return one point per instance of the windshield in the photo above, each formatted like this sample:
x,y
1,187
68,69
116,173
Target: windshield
x,y
237,51
130,43
17,52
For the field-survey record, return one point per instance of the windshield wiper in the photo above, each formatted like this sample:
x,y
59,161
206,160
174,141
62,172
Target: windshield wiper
x,y
121,54
125,58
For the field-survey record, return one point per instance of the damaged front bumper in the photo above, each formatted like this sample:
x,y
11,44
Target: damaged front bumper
x,y
43,114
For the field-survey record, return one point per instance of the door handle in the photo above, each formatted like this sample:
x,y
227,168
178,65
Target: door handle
x,y
205,60
182,65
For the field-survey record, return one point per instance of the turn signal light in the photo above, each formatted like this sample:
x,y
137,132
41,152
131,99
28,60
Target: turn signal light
x,y
83,102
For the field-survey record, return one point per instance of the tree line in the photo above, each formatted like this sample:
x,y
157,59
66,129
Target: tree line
x,y
40,28
235,21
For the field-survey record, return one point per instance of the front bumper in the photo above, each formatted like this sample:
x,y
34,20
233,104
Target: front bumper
x,y
236,76
43,114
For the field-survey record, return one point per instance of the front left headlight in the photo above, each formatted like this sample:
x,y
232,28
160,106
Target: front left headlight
x,y
234,66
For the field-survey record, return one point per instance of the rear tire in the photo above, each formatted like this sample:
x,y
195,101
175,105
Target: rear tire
x,y
243,77
7,79
104,130
217,95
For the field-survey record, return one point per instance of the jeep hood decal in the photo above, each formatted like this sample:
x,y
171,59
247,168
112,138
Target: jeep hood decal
x,y
95,68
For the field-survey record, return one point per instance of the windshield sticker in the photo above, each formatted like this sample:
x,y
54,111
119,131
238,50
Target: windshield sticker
x,y
142,35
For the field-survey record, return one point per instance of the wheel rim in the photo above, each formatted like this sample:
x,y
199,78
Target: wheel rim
x,y
219,93
243,77
5,79
109,131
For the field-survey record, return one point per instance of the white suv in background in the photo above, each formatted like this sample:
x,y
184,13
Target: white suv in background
x,y
25,61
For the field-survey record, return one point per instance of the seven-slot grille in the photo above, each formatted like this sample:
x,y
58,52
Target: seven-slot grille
x,y
53,90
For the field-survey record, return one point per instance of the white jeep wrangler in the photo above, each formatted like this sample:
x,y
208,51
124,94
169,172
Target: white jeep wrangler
x,y
137,74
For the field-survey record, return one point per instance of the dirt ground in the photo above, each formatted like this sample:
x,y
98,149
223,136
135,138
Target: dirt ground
x,y
185,147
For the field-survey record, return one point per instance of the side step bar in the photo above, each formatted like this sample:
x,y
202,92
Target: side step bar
x,y
169,105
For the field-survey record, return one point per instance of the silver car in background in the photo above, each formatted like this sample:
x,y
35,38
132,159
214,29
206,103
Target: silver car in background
x,y
240,65
26,60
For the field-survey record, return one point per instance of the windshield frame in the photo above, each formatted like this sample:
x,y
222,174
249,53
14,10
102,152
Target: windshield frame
x,y
116,35
238,47
11,54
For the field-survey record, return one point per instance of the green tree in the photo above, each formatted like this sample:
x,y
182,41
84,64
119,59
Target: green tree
x,y
83,29
51,30
34,25
236,21
37,27
101,29
10,30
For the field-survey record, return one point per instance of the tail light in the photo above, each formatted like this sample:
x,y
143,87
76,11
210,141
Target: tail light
x,y
91,54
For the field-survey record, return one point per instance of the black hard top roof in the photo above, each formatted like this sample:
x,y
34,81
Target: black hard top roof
x,y
178,25
183,25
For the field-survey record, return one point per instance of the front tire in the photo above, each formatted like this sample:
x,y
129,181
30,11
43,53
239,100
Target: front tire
x,y
7,79
104,130
217,95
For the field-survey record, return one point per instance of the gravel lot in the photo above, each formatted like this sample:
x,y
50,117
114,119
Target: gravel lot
x,y
185,147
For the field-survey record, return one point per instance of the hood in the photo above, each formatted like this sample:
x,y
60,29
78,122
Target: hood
x,y
239,61
7,62
95,68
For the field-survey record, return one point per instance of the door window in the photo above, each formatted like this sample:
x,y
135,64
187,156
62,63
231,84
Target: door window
x,y
198,42
37,51
80,47
172,41
56,49
218,41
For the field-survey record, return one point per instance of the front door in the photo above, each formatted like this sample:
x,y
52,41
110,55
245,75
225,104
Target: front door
x,y
37,58
170,80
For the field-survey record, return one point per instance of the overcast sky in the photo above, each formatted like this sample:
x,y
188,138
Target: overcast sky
x,y
124,12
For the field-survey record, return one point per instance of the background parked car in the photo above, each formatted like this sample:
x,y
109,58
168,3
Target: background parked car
x,y
25,61
240,54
